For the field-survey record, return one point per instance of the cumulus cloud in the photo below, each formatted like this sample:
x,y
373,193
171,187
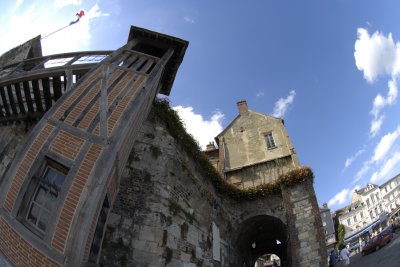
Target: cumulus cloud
x,y
201,129
386,170
189,20
283,104
375,54
351,159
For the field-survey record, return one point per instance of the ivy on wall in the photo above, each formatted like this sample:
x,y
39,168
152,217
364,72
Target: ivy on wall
x,y
169,117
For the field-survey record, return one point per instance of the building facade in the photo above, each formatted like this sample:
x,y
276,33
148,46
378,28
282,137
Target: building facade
x,y
328,226
371,208
253,149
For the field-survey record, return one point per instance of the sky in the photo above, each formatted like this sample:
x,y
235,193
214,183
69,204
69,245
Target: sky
x,y
330,69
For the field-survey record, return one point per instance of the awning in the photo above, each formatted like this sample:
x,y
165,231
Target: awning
x,y
362,231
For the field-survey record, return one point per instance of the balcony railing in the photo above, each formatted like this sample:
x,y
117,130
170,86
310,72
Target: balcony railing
x,y
29,88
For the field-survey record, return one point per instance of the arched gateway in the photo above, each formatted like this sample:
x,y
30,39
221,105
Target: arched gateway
x,y
262,235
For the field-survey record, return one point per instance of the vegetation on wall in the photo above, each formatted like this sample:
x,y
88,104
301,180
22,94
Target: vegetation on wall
x,y
340,235
164,113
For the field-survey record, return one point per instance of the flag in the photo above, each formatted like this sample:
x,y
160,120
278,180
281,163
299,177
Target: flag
x,y
78,15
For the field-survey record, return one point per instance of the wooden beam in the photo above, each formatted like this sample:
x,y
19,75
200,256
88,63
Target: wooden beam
x,y
37,95
21,105
28,98
11,99
46,93
57,87
4,100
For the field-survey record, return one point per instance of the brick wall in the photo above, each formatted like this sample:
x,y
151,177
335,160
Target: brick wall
x,y
19,251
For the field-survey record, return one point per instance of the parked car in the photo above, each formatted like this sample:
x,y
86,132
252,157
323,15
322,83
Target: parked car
x,y
355,246
378,241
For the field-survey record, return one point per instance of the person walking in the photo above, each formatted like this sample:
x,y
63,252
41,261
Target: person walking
x,y
344,254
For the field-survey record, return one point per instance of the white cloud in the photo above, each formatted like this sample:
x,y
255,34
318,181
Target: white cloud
x,y
387,169
202,130
30,22
385,144
340,198
375,55
18,4
282,105
189,20
260,94
376,125
364,169
351,159
64,3
78,35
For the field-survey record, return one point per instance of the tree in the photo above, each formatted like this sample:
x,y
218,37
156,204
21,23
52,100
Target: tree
x,y
340,235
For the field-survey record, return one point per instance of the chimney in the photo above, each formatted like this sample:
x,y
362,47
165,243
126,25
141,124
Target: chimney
x,y
242,106
210,146
324,205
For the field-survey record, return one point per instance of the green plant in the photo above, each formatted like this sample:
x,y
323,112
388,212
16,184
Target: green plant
x,y
340,235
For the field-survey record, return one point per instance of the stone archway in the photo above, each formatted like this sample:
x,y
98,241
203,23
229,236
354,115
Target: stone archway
x,y
257,236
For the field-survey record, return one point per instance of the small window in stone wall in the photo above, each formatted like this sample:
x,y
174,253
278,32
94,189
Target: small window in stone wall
x,y
38,208
269,138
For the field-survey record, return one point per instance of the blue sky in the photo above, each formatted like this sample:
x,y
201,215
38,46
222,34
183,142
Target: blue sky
x,y
329,68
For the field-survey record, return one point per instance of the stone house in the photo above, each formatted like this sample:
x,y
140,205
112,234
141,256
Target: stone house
x,y
253,149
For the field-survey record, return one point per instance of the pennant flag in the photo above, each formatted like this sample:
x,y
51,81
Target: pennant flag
x,y
79,16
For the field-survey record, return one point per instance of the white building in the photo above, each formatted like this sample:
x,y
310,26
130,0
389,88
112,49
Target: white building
x,y
370,209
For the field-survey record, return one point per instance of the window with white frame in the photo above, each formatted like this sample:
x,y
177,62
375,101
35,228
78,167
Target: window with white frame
x,y
269,138
41,198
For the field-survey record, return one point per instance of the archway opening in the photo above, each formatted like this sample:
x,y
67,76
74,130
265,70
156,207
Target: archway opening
x,y
262,235
268,260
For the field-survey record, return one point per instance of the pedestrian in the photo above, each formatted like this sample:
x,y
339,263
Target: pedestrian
x,y
344,254
333,258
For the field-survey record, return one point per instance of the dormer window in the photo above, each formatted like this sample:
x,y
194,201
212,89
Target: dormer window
x,y
269,138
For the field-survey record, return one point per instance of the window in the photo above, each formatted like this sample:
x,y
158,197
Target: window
x,y
361,214
41,198
348,221
270,140
368,202
355,218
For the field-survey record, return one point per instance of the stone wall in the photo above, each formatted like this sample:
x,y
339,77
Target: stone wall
x,y
165,213
11,138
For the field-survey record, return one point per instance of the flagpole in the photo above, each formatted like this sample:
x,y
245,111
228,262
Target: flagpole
x,y
54,32
79,15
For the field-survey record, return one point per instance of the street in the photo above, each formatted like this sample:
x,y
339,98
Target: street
x,y
388,256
